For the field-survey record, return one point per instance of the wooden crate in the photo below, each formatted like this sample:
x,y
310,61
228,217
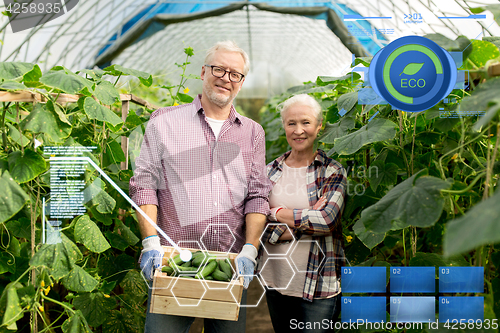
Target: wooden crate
x,y
217,301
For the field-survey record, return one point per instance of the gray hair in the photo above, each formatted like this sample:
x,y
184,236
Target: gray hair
x,y
230,46
303,99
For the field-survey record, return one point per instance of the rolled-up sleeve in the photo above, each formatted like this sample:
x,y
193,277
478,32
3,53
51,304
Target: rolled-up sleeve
x,y
148,175
324,221
259,186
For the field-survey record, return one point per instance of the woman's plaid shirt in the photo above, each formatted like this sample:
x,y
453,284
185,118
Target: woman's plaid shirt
x,y
325,177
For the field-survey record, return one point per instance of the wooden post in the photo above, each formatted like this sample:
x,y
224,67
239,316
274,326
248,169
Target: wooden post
x,y
125,107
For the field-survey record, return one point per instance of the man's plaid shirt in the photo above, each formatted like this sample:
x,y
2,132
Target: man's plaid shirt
x,y
325,177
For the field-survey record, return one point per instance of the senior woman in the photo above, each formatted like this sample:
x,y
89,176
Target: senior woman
x,y
308,196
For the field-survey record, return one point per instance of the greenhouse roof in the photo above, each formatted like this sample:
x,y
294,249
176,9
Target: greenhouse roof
x,y
288,41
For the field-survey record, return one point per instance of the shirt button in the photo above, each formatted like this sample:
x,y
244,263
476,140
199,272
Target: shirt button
x,y
215,203
215,177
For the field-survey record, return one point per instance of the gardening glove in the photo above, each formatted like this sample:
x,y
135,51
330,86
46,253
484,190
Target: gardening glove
x,y
245,263
152,256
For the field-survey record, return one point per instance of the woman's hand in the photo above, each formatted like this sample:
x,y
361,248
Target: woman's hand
x,y
320,204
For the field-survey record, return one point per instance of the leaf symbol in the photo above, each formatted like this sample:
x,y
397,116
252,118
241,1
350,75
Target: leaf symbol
x,y
412,68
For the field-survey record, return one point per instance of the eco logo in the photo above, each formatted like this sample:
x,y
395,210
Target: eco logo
x,y
27,14
412,73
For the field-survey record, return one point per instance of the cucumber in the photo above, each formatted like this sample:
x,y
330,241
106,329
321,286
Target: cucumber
x,y
209,277
220,275
198,260
177,259
187,269
226,267
167,269
187,264
209,268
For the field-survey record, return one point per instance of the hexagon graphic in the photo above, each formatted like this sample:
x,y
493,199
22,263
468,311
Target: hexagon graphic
x,y
215,228
188,295
257,302
289,245
283,278
303,247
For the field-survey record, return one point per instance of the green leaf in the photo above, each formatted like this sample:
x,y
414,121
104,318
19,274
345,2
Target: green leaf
x,y
386,174
189,51
341,79
116,240
184,98
9,305
57,110
485,95
79,280
479,226
460,44
94,110
337,130
95,307
60,258
133,283
96,74
493,40
14,70
12,86
368,237
116,70
105,219
106,92
76,324
16,136
67,82
416,201
12,197
347,101
126,233
376,130
482,51
87,233
123,321
19,228
114,153
494,9
95,194
427,259
412,68
42,120
27,166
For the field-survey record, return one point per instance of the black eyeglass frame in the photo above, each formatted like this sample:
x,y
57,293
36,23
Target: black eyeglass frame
x,y
229,73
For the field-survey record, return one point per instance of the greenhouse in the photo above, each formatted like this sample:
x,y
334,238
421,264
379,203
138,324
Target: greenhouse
x,y
399,97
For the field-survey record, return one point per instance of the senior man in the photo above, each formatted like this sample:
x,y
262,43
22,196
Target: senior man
x,y
201,177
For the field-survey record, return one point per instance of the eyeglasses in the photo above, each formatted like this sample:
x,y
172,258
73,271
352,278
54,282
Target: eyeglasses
x,y
220,72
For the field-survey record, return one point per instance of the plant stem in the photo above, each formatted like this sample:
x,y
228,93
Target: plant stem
x,y
2,126
413,144
404,246
468,188
401,142
118,78
488,168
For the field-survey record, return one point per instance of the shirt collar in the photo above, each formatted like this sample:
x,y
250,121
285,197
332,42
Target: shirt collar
x,y
320,158
234,116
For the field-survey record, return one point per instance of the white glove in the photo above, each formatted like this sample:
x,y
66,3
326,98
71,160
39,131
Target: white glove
x,y
245,263
152,256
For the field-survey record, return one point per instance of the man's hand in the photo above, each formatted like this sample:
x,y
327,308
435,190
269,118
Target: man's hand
x,y
152,256
245,263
